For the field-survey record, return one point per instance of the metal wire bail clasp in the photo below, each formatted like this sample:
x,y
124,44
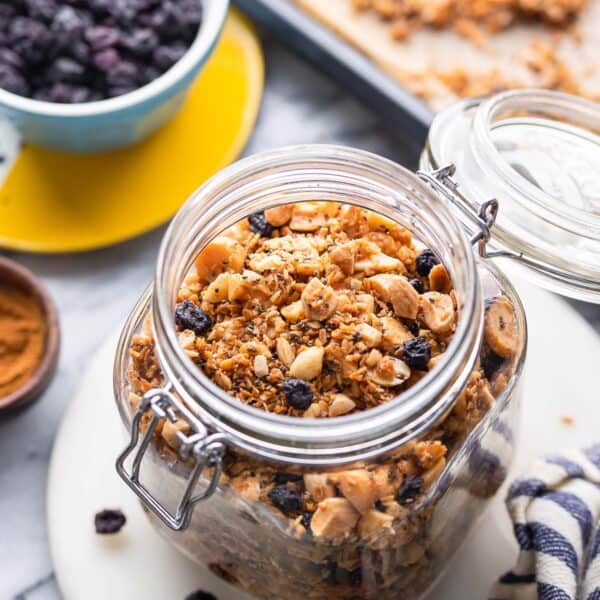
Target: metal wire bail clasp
x,y
484,217
206,450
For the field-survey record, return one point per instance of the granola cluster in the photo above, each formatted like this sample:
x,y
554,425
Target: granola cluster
x,y
320,310
471,18
333,311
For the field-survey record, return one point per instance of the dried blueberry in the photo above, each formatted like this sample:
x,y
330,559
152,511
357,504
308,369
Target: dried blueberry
x,y
66,69
286,499
490,363
141,41
297,393
425,262
281,478
10,58
101,37
200,595
109,521
124,74
416,353
409,490
190,316
259,224
106,59
165,57
306,520
418,285
12,81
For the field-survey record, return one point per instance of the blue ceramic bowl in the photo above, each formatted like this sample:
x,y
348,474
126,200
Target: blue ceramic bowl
x,y
124,120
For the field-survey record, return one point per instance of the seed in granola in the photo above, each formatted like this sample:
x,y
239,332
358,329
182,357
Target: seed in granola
x,y
418,285
286,499
417,353
297,393
109,521
409,490
425,262
259,224
490,363
190,316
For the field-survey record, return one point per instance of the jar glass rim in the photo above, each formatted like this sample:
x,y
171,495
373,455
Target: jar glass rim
x,y
303,440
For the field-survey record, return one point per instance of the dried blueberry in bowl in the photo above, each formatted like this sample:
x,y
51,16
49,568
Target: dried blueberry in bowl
x,y
85,50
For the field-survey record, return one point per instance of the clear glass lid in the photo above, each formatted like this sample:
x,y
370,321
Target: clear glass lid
x,y
538,154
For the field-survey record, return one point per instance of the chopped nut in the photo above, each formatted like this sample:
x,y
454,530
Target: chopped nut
x,y
369,335
394,333
439,280
334,519
306,217
357,486
341,405
285,352
293,312
501,327
308,364
366,302
374,521
261,368
170,430
390,372
353,220
318,486
397,290
437,312
247,486
313,411
344,256
218,290
222,254
373,358
319,301
280,215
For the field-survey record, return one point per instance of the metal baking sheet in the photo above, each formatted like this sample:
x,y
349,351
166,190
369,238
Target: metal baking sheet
x,y
408,117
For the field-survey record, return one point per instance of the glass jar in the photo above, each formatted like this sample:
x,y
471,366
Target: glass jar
x,y
192,488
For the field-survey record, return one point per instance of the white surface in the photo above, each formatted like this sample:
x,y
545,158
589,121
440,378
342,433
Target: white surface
x,y
562,380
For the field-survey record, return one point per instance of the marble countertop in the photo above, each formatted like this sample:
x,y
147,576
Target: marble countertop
x,y
95,291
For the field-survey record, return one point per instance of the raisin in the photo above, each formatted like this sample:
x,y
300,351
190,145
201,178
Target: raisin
x,y
297,393
109,521
409,490
306,519
490,363
190,316
425,262
286,499
259,224
200,595
418,285
287,477
417,353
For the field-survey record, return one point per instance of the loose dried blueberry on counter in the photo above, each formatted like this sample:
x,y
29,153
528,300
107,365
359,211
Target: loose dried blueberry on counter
x,y
425,262
297,393
200,595
259,224
190,316
109,521
416,353
409,490
418,285
286,499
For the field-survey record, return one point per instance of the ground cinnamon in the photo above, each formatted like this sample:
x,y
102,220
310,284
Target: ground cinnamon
x,y
22,338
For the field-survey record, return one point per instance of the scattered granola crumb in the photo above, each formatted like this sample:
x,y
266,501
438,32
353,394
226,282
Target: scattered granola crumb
x,y
565,420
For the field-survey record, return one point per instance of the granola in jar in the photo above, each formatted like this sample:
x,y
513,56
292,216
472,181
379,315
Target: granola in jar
x,y
321,310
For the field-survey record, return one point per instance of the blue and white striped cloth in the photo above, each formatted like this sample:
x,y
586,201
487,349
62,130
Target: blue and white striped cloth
x,y
556,516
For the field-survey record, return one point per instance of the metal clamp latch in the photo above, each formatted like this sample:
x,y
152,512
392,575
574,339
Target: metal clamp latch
x,y
484,217
206,450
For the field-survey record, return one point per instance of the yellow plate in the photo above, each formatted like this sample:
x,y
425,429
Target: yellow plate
x,y
57,202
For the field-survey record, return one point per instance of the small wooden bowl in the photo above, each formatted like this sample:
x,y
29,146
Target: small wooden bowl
x,y
15,275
